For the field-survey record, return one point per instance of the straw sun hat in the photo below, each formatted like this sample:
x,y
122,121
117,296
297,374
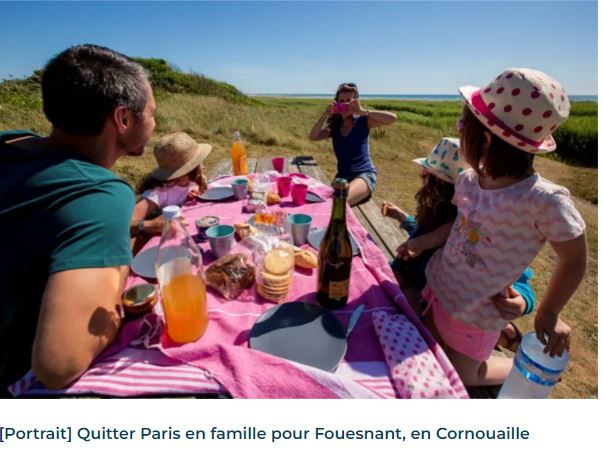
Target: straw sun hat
x,y
521,106
177,154
444,161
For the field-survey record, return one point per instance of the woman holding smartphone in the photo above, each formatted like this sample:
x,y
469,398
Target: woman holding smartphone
x,y
348,125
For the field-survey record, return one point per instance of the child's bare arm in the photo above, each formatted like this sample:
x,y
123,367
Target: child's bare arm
x,y
414,247
568,274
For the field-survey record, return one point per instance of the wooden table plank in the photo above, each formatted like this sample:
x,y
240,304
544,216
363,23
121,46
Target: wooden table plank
x,y
314,172
289,166
364,219
264,164
251,165
224,168
220,169
388,232
369,226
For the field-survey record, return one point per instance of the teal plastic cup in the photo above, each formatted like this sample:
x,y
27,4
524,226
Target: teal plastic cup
x,y
300,227
221,239
239,187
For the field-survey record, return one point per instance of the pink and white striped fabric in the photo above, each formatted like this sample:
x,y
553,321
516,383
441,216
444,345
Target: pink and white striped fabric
x,y
142,362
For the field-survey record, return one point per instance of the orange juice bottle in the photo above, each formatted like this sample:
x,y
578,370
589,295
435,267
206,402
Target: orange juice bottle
x,y
185,307
179,270
239,156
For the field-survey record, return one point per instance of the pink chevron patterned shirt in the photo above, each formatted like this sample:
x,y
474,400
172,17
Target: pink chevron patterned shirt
x,y
496,235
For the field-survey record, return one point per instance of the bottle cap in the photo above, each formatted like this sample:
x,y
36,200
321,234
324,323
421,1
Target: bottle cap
x,y
340,183
171,212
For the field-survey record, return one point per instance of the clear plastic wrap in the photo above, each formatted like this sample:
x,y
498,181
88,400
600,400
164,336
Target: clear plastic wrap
x,y
230,275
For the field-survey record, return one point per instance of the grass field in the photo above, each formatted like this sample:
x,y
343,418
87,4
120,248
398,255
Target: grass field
x,y
277,126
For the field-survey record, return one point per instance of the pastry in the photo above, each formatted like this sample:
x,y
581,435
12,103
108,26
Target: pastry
x,y
230,275
243,229
273,198
305,259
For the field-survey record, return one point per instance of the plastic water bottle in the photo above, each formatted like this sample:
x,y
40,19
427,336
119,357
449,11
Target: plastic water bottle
x,y
534,372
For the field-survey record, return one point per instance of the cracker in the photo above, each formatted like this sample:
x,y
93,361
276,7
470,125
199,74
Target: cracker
x,y
278,261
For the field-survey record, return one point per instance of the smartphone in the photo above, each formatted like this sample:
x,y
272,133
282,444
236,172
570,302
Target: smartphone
x,y
339,107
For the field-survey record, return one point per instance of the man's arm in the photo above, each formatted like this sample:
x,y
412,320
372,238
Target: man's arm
x,y
78,319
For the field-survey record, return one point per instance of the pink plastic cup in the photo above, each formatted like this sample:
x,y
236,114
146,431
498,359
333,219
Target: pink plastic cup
x,y
283,184
298,194
278,164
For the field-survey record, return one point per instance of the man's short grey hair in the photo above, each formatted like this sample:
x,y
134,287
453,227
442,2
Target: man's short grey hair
x,y
84,84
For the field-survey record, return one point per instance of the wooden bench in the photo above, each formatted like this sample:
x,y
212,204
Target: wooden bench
x,y
384,233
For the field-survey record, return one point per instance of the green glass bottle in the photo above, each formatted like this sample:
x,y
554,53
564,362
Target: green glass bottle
x,y
335,255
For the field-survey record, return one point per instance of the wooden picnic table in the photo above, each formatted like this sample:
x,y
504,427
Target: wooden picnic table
x,y
384,233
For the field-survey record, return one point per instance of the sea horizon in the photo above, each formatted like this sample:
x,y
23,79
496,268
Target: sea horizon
x,y
426,97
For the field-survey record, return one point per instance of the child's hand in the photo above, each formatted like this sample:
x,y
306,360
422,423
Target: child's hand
x,y
555,329
511,305
410,249
192,195
202,184
388,209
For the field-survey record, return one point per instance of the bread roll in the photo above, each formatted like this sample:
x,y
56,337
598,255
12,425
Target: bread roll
x,y
305,259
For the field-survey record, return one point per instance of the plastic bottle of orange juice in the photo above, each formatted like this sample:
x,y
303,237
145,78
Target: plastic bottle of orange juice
x,y
179,270
239,156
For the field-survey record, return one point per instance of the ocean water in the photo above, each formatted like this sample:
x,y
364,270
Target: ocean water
x,y
425,97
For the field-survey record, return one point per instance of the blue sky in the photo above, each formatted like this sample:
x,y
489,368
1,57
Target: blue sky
x,y
310,47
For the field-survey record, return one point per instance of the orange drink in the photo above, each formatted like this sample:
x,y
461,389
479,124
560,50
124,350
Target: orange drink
x,y
185,307
239,156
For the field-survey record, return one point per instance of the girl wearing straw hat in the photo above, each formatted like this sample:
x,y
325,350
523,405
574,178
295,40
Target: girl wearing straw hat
x,y
506,213
439,171
178,177
348,126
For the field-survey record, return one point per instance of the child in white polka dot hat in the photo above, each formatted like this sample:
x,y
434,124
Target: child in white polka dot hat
x,y
439,171
506,213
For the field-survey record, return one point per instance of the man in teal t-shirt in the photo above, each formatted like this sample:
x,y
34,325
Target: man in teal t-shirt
x,y
65,217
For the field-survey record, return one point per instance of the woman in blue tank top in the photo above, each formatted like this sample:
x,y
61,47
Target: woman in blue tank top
x,y
348,127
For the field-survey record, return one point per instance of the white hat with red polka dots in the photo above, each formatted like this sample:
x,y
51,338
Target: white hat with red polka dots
x,y
521,106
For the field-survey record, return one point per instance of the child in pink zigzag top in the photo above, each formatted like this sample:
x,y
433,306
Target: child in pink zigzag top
x,y
506,213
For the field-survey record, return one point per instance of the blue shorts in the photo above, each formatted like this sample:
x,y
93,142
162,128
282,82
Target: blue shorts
x,y
370,178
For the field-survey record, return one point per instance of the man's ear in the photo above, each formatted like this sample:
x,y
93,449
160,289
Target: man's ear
x,y
122,118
